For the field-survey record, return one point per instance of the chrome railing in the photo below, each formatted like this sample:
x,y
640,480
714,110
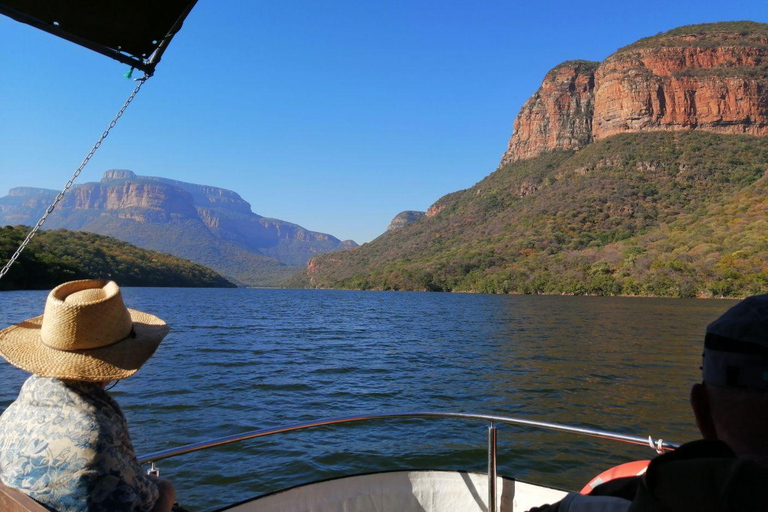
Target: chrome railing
x,y
658,445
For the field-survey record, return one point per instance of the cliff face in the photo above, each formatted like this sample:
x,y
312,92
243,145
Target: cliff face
x,y
710,77
558,115
158,202
682,88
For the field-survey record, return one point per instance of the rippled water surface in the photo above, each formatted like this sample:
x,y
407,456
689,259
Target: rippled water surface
x,y
243,359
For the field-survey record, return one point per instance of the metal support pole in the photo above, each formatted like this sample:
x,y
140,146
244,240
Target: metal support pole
x,y
492,468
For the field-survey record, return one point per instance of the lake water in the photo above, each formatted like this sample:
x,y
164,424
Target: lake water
x,y
245,359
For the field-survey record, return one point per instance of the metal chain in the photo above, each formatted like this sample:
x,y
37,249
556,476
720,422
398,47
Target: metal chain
x,y
85,161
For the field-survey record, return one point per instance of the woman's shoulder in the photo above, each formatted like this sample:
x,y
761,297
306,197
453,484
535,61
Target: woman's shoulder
x,y
42,390
62,406
60,393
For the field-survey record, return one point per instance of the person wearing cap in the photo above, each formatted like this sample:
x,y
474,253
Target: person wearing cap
x,y
727,470
64,441
731,404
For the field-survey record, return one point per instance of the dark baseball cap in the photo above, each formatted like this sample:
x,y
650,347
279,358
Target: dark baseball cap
x,y
736,346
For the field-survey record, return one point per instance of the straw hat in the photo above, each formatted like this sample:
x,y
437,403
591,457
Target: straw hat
x,y
86,333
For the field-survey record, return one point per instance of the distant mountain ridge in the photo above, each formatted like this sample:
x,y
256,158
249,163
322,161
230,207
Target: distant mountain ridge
x,y
646,174
205,224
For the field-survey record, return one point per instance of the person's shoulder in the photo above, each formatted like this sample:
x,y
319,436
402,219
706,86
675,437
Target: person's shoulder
x,y
699,475
41,400
51,392
63,408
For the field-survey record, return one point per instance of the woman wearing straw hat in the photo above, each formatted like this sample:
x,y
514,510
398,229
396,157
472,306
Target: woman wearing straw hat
x,y
64,441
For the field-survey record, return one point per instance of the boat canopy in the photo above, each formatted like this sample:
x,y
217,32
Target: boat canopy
x,y
135,33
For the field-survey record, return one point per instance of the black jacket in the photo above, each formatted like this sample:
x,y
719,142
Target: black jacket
x,y
701,476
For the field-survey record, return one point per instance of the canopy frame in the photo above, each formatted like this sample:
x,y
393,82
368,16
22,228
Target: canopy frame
x,y
147,65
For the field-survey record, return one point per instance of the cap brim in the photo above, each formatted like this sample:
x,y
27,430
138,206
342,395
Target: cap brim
x,y
22,346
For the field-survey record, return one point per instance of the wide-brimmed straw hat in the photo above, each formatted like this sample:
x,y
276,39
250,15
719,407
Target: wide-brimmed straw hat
x,y
86,333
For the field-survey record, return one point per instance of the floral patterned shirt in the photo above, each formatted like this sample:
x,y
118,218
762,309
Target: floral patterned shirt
x,y
66,444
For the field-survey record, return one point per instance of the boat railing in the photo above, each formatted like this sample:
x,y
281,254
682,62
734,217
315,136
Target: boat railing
x,y
657,445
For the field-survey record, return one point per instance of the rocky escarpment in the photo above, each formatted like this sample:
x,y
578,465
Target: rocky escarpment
x,y
558,115
711,77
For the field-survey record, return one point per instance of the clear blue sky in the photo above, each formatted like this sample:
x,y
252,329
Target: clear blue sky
x,y
332,115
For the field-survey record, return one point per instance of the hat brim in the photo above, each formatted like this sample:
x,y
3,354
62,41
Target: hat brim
x,y
22,346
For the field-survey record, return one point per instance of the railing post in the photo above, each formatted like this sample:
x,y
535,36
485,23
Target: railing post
x,y
492,468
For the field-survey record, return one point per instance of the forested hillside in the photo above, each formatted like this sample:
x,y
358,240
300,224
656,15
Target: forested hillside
x,y
53,257
677,214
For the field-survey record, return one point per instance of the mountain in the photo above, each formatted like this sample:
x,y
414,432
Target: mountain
x,y
53,257
706,77
641,175
208,225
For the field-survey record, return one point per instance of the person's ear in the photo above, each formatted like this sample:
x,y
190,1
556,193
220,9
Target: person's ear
x,y
702,411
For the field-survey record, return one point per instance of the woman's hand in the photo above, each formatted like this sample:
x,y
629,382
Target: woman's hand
x,y
167,494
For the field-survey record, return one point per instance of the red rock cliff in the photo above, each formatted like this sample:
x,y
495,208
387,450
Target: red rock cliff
x,y
710,77
558,115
